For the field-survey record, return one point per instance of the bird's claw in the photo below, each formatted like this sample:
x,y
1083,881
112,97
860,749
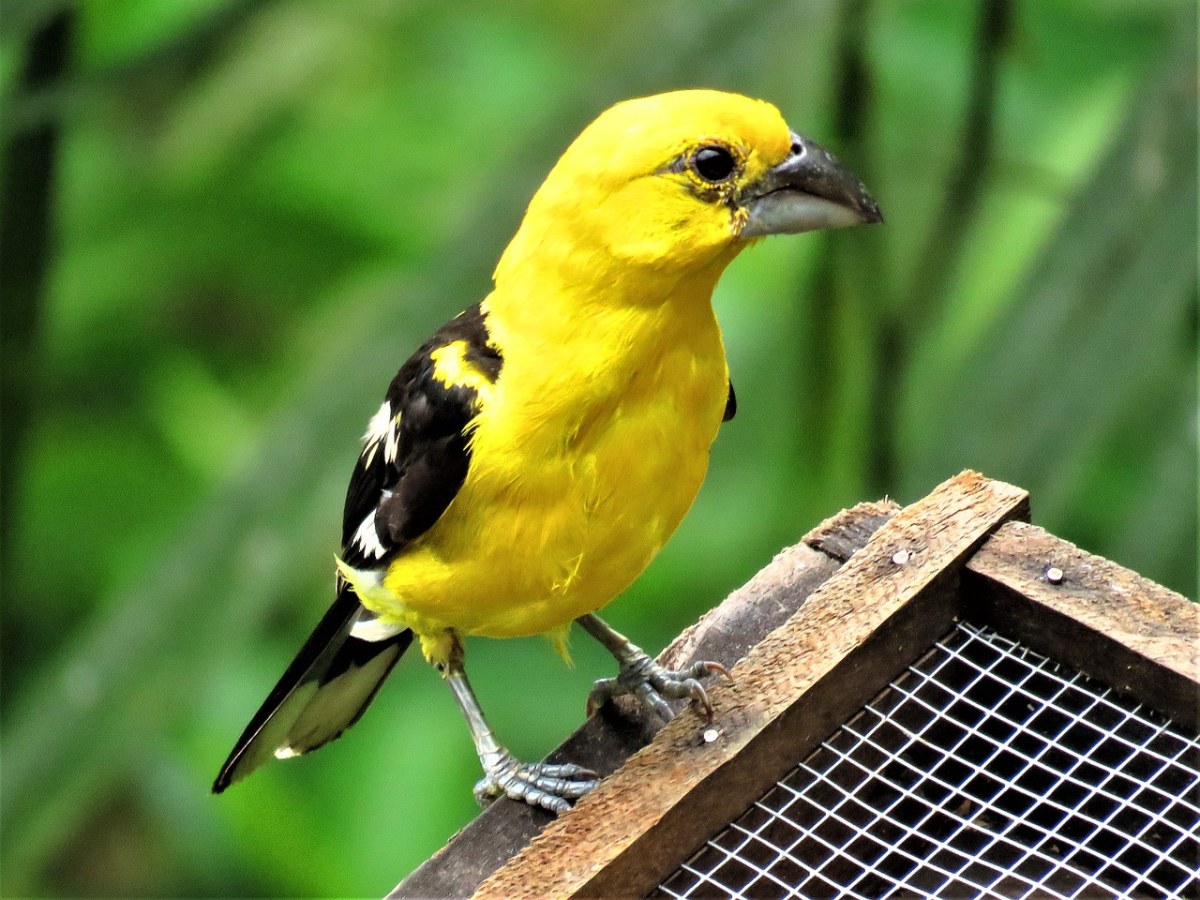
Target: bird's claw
x,y
654,685
548,785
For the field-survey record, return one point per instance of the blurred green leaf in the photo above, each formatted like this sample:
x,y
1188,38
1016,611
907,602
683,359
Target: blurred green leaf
x,y
1103,325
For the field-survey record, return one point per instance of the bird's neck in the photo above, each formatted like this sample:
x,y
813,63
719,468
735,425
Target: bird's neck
x,y
559,294
582,345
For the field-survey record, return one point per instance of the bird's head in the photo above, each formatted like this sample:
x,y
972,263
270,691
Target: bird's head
x,y
686,179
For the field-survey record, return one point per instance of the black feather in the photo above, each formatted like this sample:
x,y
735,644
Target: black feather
x,y
335,675
329,653
411,492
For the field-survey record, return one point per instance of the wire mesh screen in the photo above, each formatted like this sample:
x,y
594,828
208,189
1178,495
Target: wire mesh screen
x,y
985,769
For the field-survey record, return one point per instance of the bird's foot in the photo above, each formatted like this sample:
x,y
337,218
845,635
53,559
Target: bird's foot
x,y
654,685
548,785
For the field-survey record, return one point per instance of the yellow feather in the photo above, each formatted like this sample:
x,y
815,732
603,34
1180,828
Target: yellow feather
x,y
450,367
593,442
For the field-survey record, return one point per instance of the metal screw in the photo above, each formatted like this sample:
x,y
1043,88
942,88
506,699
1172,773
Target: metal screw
x,y
1054,574
900,557
710,735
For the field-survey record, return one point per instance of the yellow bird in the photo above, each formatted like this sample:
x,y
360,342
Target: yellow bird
x,y
533,456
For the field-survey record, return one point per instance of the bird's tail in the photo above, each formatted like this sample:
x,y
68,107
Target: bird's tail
x,y
327,687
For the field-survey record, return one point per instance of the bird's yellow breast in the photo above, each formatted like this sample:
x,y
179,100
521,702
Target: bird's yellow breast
x,y
585,456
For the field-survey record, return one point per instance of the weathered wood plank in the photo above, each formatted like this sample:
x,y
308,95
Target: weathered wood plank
x,y
1108,622
841,537
726,634
875,615
723,635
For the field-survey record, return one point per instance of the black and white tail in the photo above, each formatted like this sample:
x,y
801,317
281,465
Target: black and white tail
x,y
327,687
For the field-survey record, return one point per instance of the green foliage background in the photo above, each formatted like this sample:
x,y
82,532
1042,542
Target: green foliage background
x,y
259,208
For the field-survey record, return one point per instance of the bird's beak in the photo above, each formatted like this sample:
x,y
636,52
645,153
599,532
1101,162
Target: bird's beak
x,y
808,190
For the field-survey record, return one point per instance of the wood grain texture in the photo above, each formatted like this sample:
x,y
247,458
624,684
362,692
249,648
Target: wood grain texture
x,y
841,536
723,635
625,836
1110,623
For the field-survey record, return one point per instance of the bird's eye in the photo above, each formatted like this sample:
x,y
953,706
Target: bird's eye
x,y
713,164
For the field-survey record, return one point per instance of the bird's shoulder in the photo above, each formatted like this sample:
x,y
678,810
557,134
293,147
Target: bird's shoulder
x,y
416,451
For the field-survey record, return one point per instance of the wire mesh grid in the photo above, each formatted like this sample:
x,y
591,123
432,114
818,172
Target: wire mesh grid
x,y
984,770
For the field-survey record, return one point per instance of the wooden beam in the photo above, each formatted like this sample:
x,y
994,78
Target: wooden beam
x,y
607,739
880,611
1106,621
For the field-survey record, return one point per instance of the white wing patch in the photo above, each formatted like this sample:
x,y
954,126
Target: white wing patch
x,y
367,538
370,627
377,428
384,428
391,446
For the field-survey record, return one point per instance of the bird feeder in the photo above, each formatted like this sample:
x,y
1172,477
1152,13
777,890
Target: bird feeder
x,y
937,699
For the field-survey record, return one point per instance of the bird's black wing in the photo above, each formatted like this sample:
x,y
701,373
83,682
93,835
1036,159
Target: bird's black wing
x,y
415,453
414,459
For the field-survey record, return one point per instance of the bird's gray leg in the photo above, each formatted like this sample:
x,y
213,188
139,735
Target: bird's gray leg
x,y
546,785
643,677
